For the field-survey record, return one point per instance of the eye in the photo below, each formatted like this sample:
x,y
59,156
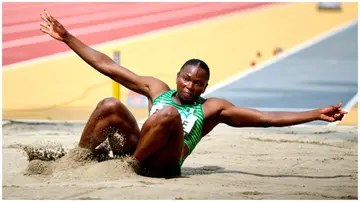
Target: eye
x,y
186,79
198,83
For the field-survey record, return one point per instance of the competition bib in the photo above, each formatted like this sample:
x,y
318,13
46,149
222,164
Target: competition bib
x,y
187,119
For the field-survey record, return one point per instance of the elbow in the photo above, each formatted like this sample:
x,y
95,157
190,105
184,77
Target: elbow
x,y
104,61
107,68
96,60
101,61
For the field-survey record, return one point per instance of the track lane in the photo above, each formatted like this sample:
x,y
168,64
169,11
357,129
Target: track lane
x,y
26,48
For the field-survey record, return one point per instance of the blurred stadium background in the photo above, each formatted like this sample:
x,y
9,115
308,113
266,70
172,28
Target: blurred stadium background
x,y
43,79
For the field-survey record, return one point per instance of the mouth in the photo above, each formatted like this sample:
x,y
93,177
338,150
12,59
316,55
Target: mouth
x,y
187,96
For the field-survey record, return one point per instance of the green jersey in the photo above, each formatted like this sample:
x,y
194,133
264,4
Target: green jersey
x,y
192,117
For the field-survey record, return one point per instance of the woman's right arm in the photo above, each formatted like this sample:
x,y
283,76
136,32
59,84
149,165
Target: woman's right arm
x,y
145,85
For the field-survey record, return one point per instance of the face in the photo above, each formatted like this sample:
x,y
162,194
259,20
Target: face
x,y
191,83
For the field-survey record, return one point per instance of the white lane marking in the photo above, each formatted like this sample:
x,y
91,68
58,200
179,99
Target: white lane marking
x,y
142,37
122,24
277,58
281,56
95,16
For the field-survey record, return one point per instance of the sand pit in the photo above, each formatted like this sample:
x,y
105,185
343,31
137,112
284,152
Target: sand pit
x,y
302,162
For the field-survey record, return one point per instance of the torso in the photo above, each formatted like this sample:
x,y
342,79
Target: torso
x,y
192,117
198,119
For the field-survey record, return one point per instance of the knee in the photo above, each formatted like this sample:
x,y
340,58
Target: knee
x,y
110,105
168,114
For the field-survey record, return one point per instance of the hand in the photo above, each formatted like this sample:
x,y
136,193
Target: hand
x,y
331,113
53,27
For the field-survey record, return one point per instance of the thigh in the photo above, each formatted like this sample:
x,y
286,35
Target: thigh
x,y
165,161
168,156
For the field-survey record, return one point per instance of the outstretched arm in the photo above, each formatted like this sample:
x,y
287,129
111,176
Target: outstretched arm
x,y
243,117
101,62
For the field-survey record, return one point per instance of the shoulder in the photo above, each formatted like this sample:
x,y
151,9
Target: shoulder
x,y
156,87
213,106
212,102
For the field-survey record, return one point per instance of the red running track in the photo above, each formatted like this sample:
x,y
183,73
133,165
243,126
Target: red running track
x,y
95,23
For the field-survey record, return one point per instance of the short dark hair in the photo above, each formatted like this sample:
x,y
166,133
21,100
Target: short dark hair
x,y
198,63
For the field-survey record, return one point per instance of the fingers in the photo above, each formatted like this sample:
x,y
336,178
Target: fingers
x,y
45,19
341,117
339,105
48,16
336,107
343,112
44,26
333,118
51,18
329,119
44,31
338,116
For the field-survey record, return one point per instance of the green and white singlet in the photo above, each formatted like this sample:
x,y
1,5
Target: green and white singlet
x,y
192,117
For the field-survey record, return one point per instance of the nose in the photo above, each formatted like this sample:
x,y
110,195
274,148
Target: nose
x,y
190,86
